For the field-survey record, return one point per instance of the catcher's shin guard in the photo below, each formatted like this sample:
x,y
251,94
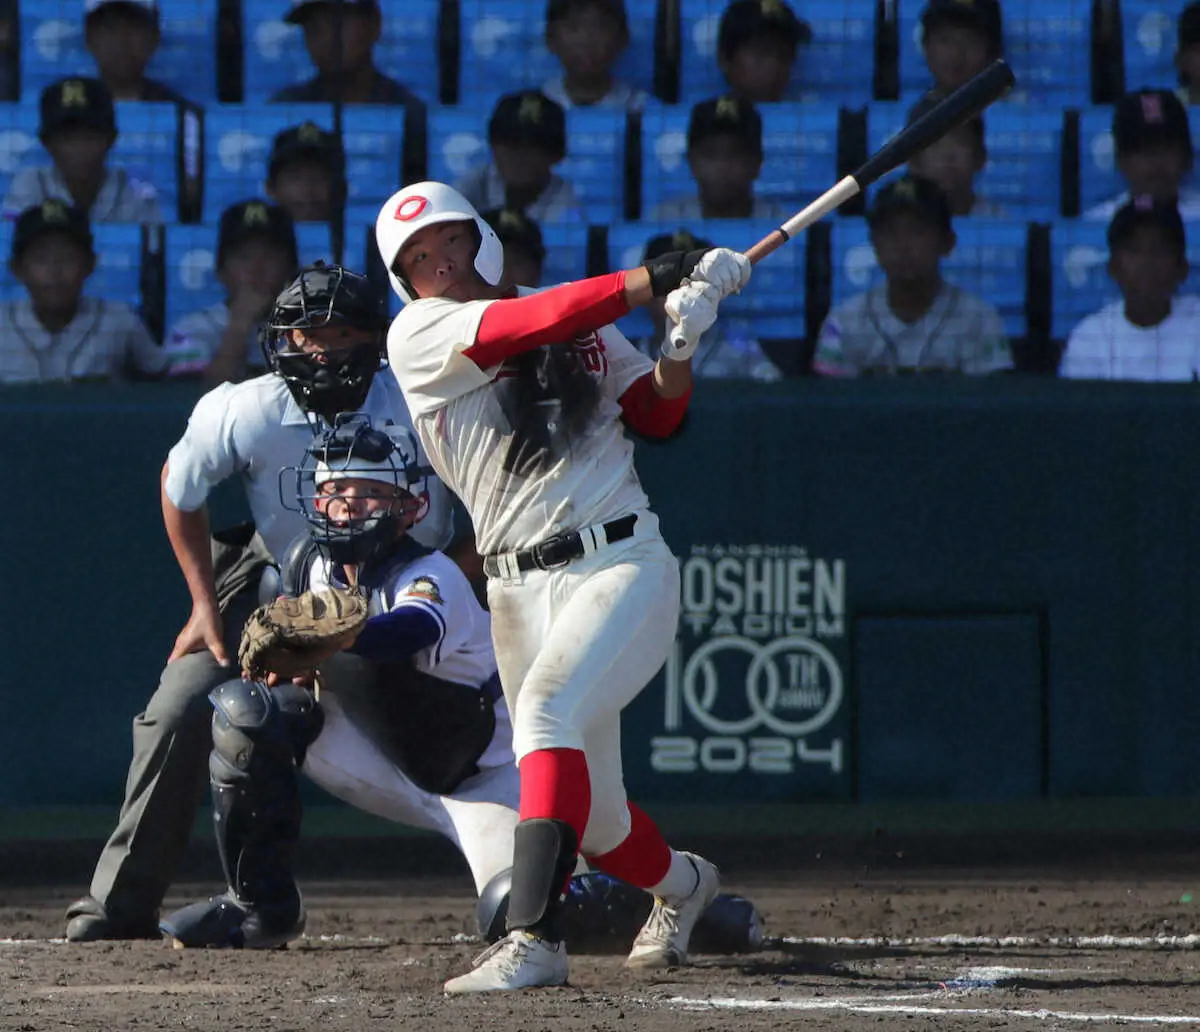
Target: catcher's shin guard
x,y
259,738
543,858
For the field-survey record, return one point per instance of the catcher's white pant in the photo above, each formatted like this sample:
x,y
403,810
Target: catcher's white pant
x,y
575,645
479,817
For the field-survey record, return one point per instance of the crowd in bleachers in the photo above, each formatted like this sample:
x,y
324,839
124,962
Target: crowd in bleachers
x,y
164,169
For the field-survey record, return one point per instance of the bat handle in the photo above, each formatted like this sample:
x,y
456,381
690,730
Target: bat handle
x,y
822,206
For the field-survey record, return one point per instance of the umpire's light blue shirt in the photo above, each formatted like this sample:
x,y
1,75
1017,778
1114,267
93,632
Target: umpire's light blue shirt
x,y
255,429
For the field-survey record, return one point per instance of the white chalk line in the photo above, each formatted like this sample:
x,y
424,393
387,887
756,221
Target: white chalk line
x,y
1087,942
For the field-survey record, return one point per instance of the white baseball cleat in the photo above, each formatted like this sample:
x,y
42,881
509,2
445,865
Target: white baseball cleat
x,y
663,940
518,961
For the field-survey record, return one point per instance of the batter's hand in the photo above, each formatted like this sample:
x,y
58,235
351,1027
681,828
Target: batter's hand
x,y
204,630
693,309
726,270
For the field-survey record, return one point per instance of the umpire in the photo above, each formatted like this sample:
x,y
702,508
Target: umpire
x,y
324,345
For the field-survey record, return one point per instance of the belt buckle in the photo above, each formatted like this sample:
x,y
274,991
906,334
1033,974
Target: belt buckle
x,y
537,551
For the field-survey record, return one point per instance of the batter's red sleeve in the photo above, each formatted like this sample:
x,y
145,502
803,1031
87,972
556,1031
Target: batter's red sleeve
x,y
513,325
648,413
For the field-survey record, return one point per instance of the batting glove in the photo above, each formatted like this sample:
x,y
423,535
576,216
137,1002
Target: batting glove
x,y
692,309
726,270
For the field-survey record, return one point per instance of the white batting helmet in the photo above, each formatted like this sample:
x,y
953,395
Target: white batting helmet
x,y
425,204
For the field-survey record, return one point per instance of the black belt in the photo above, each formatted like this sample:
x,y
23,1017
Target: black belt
x,y
561,549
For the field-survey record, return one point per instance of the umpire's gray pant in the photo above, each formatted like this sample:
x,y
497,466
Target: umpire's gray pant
x,y
172,738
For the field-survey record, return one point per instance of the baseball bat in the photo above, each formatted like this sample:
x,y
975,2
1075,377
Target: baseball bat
x,y
965,102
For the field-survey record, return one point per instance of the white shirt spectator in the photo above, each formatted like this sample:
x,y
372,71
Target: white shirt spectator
x,y
484,188
105,340
194,339
687,209
724,353
622,97
121,198
960,333
1189,206
1107,346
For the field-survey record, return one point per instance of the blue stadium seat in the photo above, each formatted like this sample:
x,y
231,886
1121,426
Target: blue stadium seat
x,y
1150,33
988,261
773,302
1098,177
10,289
52,47
1024,170
594,165
118,264
566,252
275,55
191,264
835,67
1047,42
146,146
1080,281
504,48
799,141
238,145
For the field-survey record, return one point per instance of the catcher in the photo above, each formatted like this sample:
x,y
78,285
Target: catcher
x,y
410,724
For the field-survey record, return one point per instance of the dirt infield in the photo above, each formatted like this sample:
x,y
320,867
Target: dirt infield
x,y
1091,941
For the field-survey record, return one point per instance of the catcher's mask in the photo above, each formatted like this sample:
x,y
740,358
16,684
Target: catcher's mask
x,y
359,488
330,382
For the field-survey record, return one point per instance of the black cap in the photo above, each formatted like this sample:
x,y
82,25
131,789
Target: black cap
x,y
256,218
145,10
680,240
52,216
1146,211
726,116
529,117
931,100
745,20
515,227
1150,117
301,9
983,15
309,142
914,194
77,101
1189,25
558,9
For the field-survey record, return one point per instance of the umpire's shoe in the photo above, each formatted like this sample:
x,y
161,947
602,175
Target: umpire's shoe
x,y
88,920
225,922
663,940
518,961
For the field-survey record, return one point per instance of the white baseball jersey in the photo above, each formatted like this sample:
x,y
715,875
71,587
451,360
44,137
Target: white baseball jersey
x,y
960,333
121,198
255,429
105,340
1188,203
526,464
1107,346
484,188
687,209
622,96
194,339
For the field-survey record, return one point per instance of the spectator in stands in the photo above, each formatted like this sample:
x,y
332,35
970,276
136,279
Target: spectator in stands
x,y
587,37
78,128
350,73
122,35
57,334
1150,334
954,161
914,322
1187,54
725,156
256,256
757,45
527,134
524,250
960,38
306,173
1153,145
726,351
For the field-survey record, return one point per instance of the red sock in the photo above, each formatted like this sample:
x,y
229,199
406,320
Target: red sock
x,y
643,858
555,784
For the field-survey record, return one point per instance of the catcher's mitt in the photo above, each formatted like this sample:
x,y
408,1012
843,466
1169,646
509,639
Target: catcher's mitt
x,y
293,636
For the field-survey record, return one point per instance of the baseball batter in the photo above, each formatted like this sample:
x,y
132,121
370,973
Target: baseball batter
x,y
519,403
324,347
